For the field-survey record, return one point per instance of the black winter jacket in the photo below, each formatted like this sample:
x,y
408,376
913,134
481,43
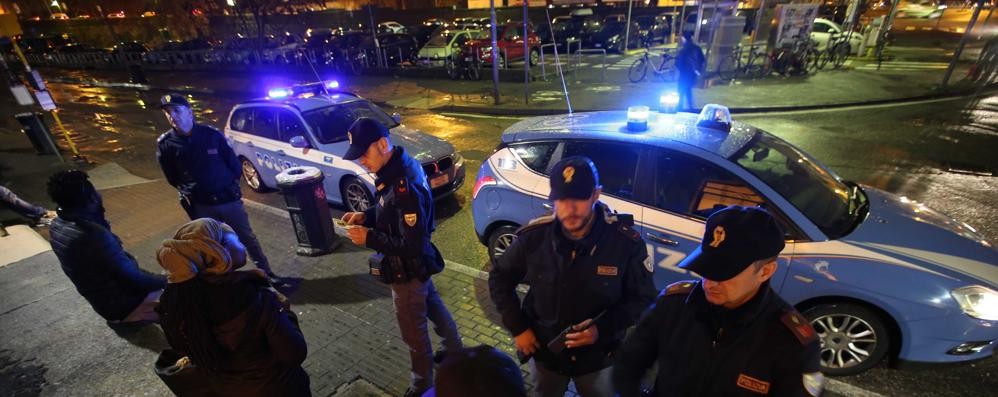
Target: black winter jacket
x,y
94,260
263,343
202,166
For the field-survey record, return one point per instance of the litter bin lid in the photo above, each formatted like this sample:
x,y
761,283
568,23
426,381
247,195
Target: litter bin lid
x,y
295,176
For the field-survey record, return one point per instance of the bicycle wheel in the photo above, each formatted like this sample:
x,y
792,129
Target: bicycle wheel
x,y
841,54
638,70
728,68
667,70
825,57
760,66
811,61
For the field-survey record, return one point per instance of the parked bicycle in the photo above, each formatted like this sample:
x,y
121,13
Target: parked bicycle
x,y
836,52
751,62
799,58
665,70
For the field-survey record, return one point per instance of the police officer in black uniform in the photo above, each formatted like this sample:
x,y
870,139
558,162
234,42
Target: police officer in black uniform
x,y
728,334
198,162
398,227
583,263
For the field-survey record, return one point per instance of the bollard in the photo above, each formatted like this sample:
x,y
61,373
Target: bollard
x,y
37,132
306,201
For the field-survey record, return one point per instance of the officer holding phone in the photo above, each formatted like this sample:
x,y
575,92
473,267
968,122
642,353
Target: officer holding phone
x,y
590,278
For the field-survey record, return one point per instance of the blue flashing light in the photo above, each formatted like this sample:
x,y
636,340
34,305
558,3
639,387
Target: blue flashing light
x,y
668,102
332,84
278,93
716,117
637,118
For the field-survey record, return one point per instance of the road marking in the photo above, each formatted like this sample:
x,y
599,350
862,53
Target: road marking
x,y
868,107
480,116
846,389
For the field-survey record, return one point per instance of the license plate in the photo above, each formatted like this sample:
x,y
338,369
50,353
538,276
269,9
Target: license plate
x,y
439,181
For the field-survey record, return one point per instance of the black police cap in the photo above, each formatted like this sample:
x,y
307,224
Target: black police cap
x,y
573,178
173,99
362,133
735,237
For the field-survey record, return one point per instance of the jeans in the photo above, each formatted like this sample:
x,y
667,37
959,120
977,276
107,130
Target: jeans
x,y
234,215
685,90
415,301
26,209
553,384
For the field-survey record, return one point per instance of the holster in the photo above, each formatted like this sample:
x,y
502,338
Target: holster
x,y
388,269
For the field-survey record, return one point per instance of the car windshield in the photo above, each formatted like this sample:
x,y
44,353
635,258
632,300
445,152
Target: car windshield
x,y
330,124
831,203
440,40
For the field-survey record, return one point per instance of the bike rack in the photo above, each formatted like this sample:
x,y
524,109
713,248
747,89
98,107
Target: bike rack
x,y
544,74
578,57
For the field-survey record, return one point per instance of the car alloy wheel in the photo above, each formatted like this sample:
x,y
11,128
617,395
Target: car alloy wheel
x,y
853,338
252,177
356,196
500,239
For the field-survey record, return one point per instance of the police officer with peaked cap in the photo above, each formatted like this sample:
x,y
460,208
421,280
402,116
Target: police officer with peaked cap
x,y
398,227
584,262
728,334
198,162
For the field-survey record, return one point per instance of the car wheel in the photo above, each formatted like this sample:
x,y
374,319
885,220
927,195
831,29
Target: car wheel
x,y
500,239
355,195
853,338
252,177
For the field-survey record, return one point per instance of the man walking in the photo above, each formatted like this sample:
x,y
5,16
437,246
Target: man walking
x,y
398,227
588,269
728,334
198,162
689,64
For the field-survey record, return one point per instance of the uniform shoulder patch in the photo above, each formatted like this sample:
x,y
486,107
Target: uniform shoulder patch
x,y
535,224
628,230
677,288
402,186
799,326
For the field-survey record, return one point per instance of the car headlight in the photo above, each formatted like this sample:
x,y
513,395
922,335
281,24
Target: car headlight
x,y
977,301
458,158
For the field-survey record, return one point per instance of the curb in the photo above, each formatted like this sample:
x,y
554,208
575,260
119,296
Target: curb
x,y
742,110
528,112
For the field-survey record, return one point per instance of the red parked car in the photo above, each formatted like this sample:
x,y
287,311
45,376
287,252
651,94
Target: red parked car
x,y
510,43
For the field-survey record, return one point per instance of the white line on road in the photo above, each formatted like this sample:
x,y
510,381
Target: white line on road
x,y
846,389
482,116
867,107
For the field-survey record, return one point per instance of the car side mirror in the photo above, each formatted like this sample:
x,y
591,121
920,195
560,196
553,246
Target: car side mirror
x,y
298,141
760,154
397,117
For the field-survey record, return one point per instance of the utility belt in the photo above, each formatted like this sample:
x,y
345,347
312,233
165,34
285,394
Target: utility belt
x,y
395,269
226,195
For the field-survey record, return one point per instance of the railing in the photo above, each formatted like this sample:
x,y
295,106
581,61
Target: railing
x,y
578,60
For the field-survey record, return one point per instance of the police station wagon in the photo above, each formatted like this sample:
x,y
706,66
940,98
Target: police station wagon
x,y
878,275
307,125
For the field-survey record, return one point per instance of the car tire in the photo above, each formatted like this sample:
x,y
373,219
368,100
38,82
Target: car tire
x,y
499,240
853,338
355,196
252,177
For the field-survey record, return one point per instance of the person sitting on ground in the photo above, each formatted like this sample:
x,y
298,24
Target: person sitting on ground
x,y
231,324
35,213
481,371
93,257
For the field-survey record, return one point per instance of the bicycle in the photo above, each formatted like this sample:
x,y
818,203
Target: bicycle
x,y
666,70
738,64
836,52
800,58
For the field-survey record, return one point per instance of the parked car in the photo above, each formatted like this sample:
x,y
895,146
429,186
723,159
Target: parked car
x,y
614,18
464,23
446,44
510,42
921,9
391,27
60,16
876,274
824,30
303,126
395,48
131,47
612,36
657,27
119,14
252,50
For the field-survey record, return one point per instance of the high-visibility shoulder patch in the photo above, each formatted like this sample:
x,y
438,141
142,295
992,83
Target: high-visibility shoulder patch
x,y
628,230
534,224
799,326
677,288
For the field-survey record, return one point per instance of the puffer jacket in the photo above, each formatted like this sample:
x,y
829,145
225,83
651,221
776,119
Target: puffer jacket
x,y
94,260
263,343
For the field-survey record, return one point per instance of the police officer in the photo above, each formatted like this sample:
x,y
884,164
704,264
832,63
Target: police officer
x,y
728,334
398,227
589,274
198,162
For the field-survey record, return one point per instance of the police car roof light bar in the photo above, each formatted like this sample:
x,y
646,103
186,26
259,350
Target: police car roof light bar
x,y
716,117
637,118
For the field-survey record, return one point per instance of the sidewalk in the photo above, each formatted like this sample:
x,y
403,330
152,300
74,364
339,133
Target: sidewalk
x,y
858,83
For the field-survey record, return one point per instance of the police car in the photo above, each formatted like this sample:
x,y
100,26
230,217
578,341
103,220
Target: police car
x,y
876,274
306,125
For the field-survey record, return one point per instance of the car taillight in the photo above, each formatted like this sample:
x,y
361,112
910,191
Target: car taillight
x,y
482,181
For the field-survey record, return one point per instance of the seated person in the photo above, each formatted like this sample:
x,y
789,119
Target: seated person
x,y
481,371
93,258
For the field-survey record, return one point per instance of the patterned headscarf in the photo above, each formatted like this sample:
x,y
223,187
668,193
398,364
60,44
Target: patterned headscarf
x,y
195,248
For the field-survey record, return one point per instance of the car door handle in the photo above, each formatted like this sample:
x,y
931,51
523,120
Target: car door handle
x,y
548,206
280,152
661,238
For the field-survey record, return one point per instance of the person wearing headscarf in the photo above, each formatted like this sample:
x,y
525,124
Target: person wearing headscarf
x,y
230,323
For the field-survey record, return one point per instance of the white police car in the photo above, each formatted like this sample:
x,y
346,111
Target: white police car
x,y
306,125
876,274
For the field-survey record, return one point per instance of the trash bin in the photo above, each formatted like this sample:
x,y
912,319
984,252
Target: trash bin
x,y
37,132
306,201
